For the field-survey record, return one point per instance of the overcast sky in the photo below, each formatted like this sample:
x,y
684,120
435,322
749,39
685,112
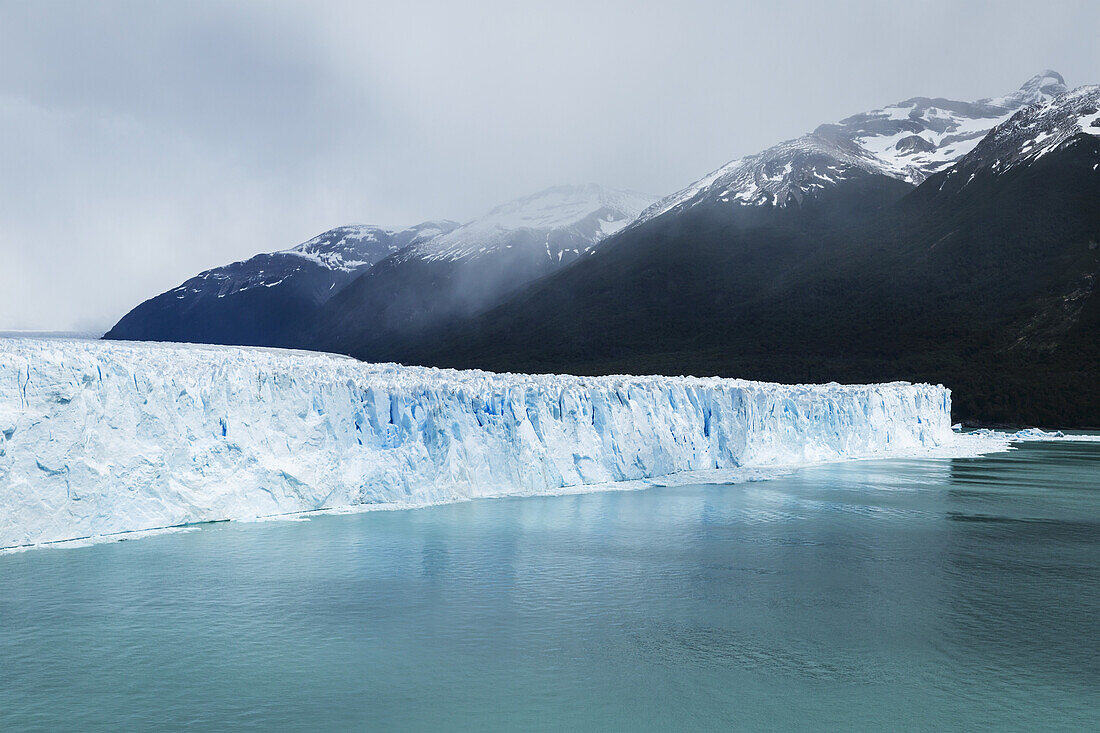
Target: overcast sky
x,y
143,142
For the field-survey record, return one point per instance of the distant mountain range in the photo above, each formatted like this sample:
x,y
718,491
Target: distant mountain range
x,y
271,299
414,277
937,240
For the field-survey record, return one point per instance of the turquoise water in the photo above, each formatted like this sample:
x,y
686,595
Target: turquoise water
x,y
876,595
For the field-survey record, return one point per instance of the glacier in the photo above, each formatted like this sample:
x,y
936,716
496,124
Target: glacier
x,y
99,438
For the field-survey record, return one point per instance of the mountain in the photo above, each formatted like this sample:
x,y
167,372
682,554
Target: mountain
x,y
826,259
935,240
564,222
1031,134
908,141
472,267
358,287
269,299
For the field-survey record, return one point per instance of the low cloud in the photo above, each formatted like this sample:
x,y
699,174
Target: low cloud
x,y
142,142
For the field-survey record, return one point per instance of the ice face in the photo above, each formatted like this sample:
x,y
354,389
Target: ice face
x,y
105,437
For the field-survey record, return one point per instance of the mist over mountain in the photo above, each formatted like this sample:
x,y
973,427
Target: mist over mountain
x,y
815,262
473,267
415,277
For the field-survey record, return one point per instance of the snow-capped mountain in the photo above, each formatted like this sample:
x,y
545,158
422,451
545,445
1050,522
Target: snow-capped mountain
x,y
1036,131
566,221
908,141
473,267
341,251
351,248
417,274
264,299
984,277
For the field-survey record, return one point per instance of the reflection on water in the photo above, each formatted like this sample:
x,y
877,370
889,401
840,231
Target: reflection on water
x,y
884,595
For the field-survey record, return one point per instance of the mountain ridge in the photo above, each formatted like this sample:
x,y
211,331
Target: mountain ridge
x,y
988,288
267,299
908,140
472,267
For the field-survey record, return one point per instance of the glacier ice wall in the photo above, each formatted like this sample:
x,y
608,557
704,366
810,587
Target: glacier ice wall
x,y
103,437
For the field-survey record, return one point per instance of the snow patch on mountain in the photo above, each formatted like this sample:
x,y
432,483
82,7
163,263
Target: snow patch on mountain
x,y
342,251
908,141
98,438
350,248
567,218
1039,129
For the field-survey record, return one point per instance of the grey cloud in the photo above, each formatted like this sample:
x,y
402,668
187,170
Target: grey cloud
x,y
141,142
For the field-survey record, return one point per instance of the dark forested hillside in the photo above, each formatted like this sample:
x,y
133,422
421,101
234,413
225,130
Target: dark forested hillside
x,y
987,288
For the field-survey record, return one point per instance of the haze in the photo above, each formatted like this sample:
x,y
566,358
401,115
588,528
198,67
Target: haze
x,y
142,143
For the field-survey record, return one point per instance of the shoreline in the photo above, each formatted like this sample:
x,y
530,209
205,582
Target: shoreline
x,y
966,445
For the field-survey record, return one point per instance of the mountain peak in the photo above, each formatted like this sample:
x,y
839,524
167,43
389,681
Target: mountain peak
x,y
1045,78
1037,130
349,248
563,205
908,140
1043,87
588,212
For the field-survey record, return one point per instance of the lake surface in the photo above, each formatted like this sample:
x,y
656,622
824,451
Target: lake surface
x,y
875,595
